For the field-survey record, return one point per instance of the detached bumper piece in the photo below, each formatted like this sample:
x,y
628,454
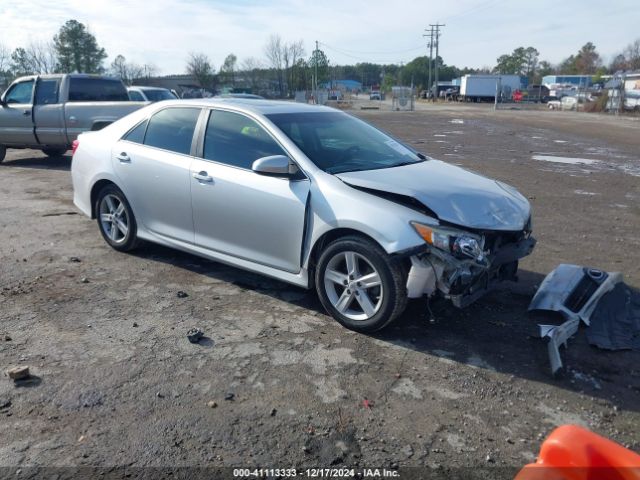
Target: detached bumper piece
x,y
599,299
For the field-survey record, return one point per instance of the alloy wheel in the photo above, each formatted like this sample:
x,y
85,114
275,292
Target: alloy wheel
x,y
353,285
114,219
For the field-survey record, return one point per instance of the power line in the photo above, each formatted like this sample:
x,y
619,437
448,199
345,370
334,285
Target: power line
x,y
473,10
391,52
363,59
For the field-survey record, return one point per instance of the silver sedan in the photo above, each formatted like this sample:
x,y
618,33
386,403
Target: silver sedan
x,y
305,194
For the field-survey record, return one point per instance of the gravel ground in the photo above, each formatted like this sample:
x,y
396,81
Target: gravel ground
x,y
276,383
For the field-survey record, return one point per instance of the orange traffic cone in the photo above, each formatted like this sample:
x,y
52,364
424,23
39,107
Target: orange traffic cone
x,y
574,453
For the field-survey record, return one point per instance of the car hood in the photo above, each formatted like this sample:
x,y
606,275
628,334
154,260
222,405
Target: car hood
x,y
456,195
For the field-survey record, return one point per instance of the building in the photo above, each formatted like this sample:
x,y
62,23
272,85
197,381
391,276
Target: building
x,y
575,80
623,85
344,85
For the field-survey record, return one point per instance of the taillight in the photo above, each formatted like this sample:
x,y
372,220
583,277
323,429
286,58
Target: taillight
x,y
74,146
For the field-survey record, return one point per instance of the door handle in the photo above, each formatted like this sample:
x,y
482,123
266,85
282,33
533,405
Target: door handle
x,y
124,158
72,119
203,177
26,113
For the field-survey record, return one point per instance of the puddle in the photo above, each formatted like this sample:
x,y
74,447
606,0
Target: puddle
x,y
565,160
631,170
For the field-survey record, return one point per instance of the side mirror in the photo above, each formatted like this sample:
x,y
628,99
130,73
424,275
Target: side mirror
x,y
276,165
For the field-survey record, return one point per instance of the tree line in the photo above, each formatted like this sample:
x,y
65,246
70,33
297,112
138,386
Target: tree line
x,y
285,67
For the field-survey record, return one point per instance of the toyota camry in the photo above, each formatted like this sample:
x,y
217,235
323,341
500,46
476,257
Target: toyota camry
x,y
305,194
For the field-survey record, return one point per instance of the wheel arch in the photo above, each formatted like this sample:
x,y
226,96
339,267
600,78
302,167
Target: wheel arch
x,y
95,190
326,238
100,124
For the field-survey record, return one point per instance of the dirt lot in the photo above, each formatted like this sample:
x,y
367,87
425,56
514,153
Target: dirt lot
x,y
118,384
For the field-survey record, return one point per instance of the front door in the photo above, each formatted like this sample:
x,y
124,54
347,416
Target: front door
x,y
16,120
239,212
152,162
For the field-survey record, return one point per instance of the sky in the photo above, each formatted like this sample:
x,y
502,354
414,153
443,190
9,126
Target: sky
x,y
476,32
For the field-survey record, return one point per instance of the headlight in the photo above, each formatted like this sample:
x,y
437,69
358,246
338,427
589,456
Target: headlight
x,y
458,243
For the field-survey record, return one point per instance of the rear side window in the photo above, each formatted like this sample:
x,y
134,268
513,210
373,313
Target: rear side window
x,y
158,95
137,134
20,93
47,91
237,140
172,129
136,96
90,89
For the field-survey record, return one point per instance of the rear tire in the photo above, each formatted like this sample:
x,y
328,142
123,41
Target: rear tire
x,y
54,152
115,218
3,152
360,285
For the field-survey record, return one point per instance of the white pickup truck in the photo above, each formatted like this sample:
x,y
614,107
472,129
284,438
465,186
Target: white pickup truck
x,y
48,112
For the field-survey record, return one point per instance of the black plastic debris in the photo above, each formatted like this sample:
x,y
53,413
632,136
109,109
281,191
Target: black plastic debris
x,y
615,322
182,294
195,334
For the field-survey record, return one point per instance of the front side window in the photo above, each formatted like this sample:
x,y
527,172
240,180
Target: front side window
x,y
20,93
237,140
172,129
337,142
92,89
47,91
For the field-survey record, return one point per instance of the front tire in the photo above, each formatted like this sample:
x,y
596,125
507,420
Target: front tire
x,y
116,221
3,152
360,285
54,152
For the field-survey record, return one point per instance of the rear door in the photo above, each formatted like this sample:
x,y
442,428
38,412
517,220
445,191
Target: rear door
x,y
48,112
237,211
16,120
153,162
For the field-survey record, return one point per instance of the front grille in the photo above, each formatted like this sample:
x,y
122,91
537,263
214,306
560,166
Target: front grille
x,y
494,240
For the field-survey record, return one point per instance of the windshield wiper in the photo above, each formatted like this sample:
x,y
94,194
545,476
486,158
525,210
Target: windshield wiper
x,y
406,163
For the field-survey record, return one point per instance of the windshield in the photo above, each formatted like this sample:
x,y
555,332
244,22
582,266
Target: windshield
x,y
157,95
337,142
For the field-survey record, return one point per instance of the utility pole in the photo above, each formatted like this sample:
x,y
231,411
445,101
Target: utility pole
x,y
316,74
437,41
430,45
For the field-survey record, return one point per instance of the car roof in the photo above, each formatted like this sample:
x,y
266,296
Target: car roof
x,y
240,95
264,107
70,75
142,87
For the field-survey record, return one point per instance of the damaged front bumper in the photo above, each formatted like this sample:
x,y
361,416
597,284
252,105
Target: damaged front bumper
x,y
464,281
574,292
